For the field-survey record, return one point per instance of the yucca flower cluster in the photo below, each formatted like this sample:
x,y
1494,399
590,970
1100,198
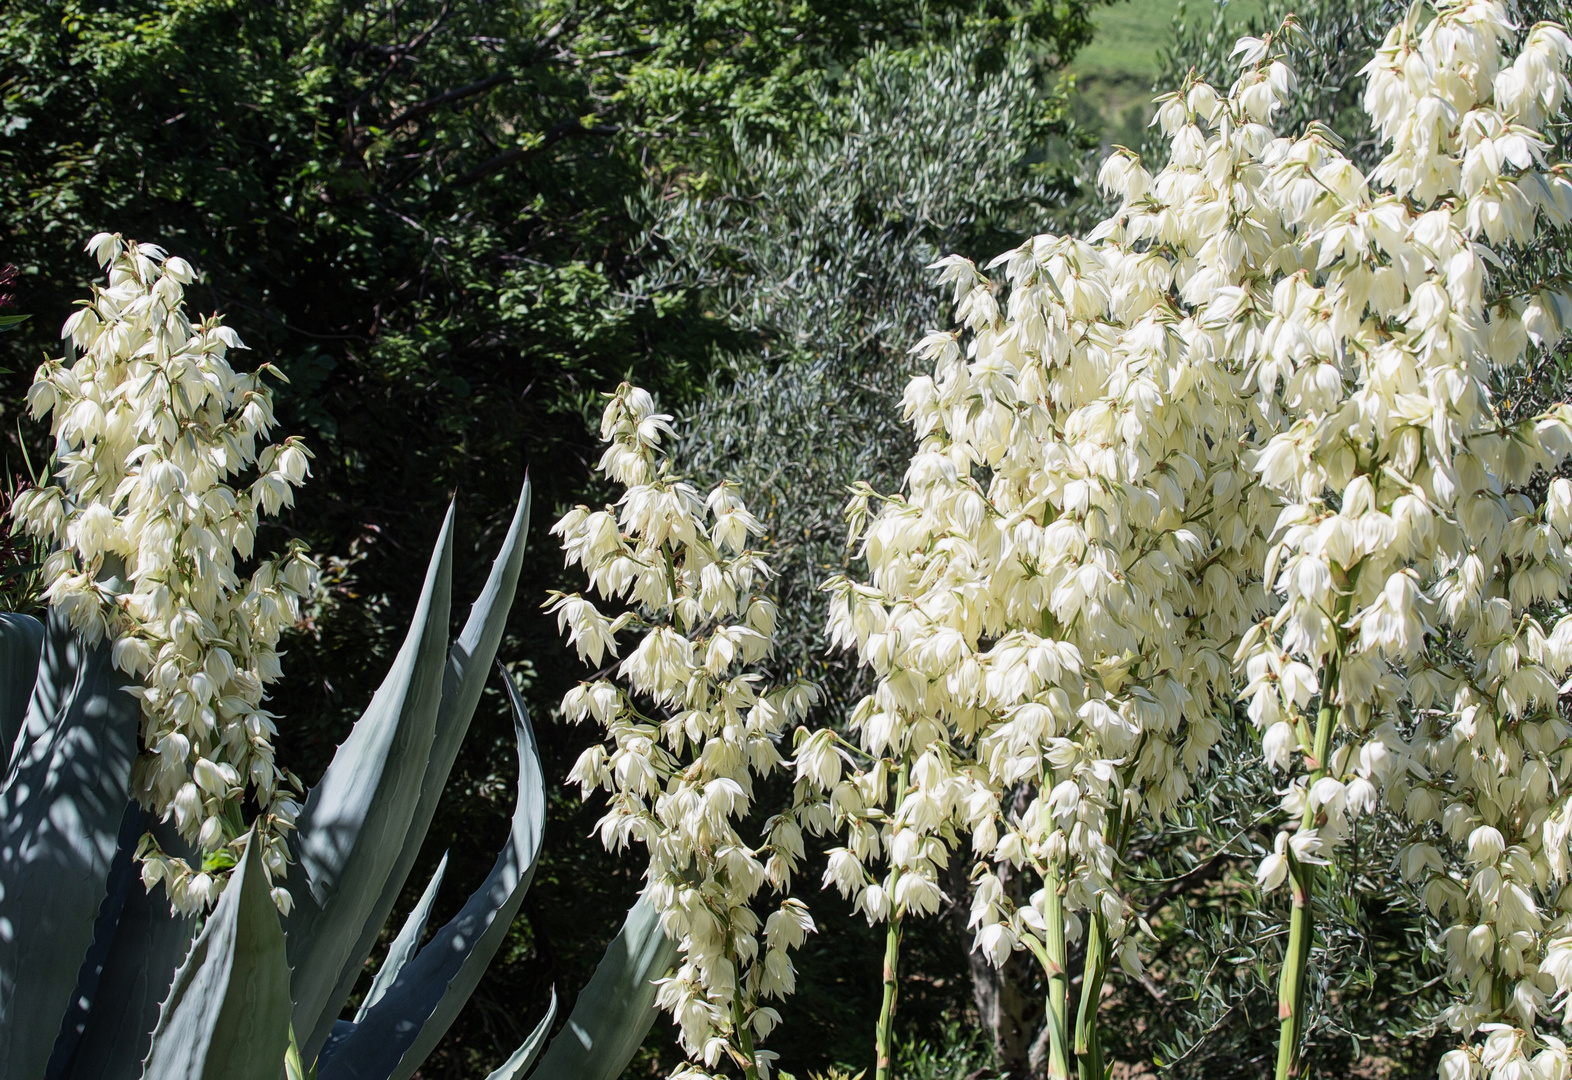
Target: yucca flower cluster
x,y
691,726
1051,641
1242,443
1419,556
152,506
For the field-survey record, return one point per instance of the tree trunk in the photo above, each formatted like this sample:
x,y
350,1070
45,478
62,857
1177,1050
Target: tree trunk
x,y
1010,1011
1009,1006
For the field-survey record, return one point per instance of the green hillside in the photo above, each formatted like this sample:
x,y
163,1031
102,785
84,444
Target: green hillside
x,y
1132,34
1114,74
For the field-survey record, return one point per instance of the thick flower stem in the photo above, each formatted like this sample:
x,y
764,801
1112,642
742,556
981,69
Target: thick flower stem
x,y
744,1038
1301,925
1296,961
1053,960
1088,1045
886,1032
884,1036
1099,952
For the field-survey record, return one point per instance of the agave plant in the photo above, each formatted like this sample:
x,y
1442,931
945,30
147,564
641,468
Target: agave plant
x,y
99,980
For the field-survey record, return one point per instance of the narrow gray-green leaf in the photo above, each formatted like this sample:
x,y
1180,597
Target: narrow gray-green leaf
x,y
518,1064
406,1025
355,821
463,680
405,945
21,640
61,808
227,1015
615,1011
150,941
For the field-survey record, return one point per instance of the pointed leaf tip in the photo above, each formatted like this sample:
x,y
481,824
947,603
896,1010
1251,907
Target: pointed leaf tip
x,y
517,1066
405,1026
353,830
405,945
227,1015
463,681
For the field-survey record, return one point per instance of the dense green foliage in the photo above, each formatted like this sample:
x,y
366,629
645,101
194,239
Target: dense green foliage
x,y
432,216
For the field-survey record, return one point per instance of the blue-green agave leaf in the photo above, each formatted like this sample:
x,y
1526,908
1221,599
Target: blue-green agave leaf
x,y
355,820
405,945
406,1025
227,1015
109,1029
469,660
21,640
122,874
615,1011
518,1064
61,808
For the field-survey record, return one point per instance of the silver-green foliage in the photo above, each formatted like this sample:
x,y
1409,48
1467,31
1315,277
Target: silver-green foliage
x,y
100,981
820,253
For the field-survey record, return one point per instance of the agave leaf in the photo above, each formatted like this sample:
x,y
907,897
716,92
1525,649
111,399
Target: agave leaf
x,y
21,640
405,1026
122,872
227,1016
342,1030
356,819
115,1008
61,808
465,677
514,1068
518,1064
615,1010
406,943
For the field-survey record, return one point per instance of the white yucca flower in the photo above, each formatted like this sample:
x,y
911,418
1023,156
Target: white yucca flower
x,y
157,490
688,730
1240,443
